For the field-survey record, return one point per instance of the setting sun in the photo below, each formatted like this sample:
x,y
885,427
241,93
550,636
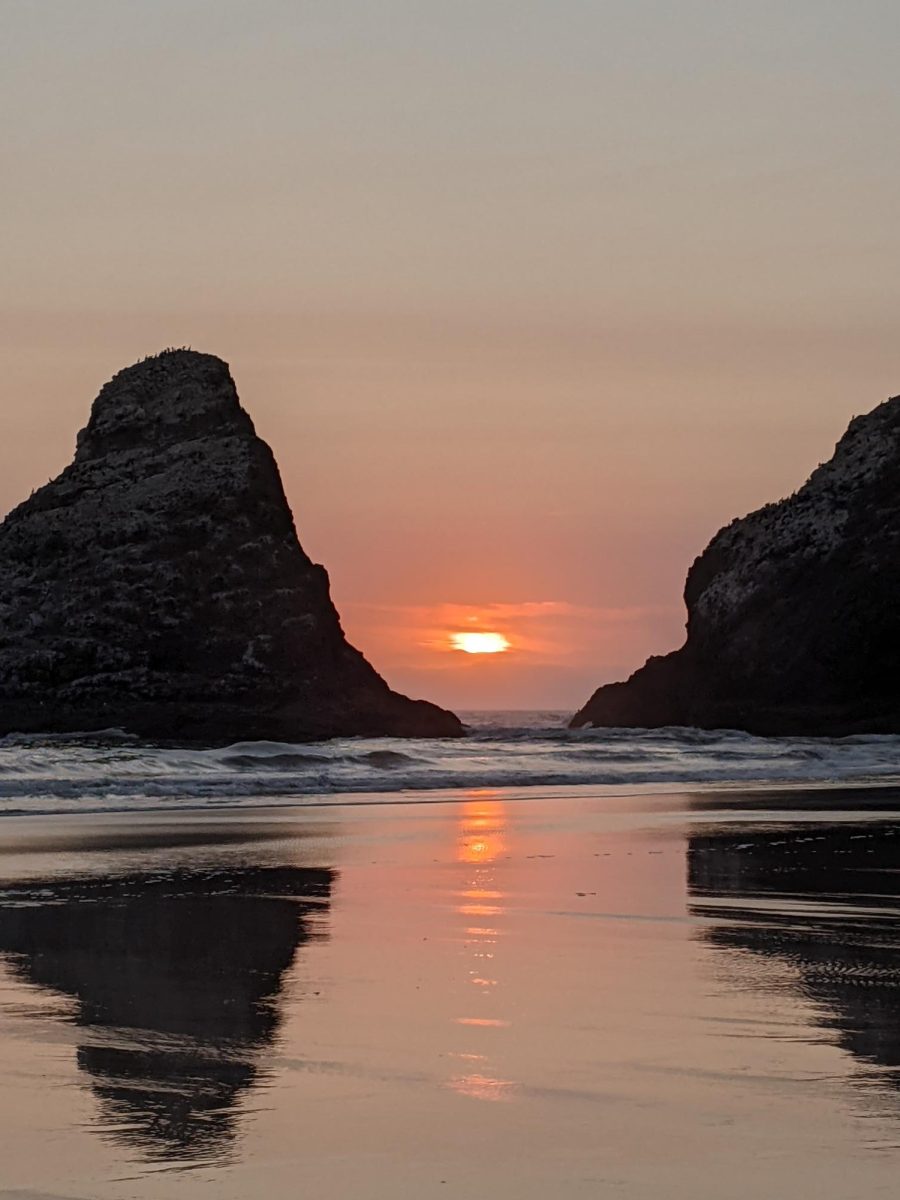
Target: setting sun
x,y
479,643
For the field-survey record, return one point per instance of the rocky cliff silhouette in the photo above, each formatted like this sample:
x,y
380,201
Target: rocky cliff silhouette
x,y
158,584
793,612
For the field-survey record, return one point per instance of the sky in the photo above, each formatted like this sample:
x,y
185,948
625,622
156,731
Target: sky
x,y
529,298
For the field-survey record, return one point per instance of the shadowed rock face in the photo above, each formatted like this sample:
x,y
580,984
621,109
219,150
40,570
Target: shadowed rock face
x,y
158,584
176,980
793,612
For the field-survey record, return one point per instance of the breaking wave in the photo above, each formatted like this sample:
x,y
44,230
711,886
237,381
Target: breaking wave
x,y
114,771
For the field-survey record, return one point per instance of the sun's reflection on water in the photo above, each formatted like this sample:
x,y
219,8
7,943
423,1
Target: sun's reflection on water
x,y
482,829
481,843
483,1087
482,1023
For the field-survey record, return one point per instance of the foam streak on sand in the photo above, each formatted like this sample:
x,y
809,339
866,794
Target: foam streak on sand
x,y
111,771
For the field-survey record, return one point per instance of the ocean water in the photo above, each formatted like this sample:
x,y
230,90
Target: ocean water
x,y
114,771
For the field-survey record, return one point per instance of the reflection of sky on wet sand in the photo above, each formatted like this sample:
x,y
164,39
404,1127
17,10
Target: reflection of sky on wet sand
x,y
174,982
664,999
813,911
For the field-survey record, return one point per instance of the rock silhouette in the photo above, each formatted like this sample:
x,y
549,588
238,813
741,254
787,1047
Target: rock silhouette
x,y
158,584
793,612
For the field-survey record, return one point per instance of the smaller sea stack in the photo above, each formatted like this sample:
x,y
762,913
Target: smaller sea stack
x,y
793,612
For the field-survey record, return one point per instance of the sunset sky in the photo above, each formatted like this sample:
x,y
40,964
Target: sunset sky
x,y
528,298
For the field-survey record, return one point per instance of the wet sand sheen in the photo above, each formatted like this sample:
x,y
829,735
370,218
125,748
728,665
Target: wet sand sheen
x,y
692,994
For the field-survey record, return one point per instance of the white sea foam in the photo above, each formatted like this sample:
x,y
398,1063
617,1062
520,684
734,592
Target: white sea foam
x,y
503,750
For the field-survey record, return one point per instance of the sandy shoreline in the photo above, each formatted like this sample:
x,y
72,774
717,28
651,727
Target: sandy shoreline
x,y
690,993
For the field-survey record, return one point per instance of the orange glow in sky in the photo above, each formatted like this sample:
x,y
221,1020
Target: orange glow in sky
x,y
544,414
479,643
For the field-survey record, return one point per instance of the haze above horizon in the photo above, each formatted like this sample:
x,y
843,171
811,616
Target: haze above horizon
x,y
529,299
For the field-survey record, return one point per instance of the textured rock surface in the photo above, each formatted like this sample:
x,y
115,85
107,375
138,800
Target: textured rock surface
x,y
158,584
793,612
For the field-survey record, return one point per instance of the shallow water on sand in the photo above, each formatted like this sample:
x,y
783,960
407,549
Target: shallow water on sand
x,y
685,995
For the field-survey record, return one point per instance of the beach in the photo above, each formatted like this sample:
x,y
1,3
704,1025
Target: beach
x,y
523,993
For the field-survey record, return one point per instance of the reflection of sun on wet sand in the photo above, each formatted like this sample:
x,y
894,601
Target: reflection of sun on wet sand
x,y
481,843
483,1087
482,829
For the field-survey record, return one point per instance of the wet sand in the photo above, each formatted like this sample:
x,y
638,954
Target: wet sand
x,y
673,994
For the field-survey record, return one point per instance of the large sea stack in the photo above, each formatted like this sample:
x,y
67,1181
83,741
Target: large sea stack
x,y
793,612
158,585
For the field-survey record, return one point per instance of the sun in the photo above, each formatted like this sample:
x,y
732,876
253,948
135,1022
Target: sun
x,y
479,643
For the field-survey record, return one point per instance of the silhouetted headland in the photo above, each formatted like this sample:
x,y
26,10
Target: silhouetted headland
x,y
158,584
793,612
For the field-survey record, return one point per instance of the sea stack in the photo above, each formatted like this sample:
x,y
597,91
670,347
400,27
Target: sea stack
x,y
793,612
158,584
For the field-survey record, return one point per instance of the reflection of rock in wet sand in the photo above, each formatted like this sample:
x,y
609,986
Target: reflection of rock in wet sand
x,y
825,900
177,977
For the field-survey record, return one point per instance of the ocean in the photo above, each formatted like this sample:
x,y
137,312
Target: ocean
x,y
113,771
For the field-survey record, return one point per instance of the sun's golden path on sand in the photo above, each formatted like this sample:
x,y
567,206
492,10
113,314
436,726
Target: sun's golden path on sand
x,y
481,842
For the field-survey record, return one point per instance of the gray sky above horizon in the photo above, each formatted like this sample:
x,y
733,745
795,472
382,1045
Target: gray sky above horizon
x,y
529,298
